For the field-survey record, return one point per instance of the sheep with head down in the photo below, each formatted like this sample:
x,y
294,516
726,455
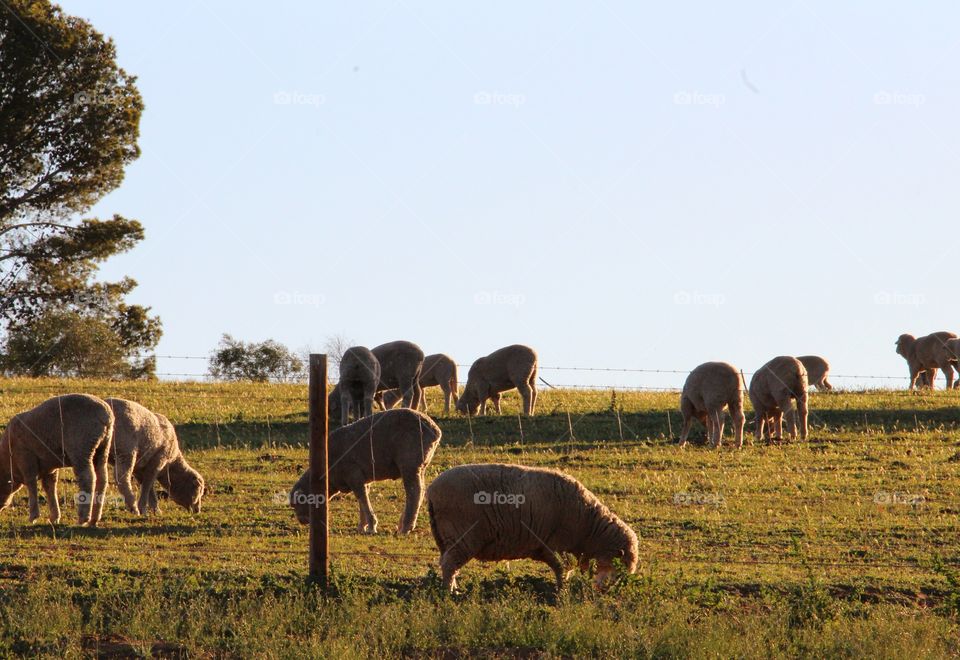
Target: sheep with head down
x,y
438,370
357,387
400,365
73,430
145,445
817,371
494,512
710,389
395,444
924,355
780,387
507,368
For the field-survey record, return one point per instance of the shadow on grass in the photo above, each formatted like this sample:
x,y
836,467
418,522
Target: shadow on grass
x,y
555,428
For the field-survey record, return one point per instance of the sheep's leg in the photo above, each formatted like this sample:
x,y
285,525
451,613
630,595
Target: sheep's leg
x,y
718,422
102,478
759,419
533,390
123,473
30,481
152,504
495,399
148,478
450,564
739,420
345,401
86,478
49,481
802,413
368,521
551,559
447,395
527,396
423,400
483,407
685,431
413,489
948,374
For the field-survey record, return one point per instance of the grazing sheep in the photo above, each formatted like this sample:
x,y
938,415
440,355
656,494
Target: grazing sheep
x,y
817,371
927,354
145,445
708,390
73,430
494,512
396,444
359,379
773,390
400,366
507,368
438,370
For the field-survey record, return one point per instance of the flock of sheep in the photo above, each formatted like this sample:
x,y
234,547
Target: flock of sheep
x,y
487,512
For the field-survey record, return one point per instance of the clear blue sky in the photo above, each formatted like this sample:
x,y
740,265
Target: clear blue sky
x,y
615,184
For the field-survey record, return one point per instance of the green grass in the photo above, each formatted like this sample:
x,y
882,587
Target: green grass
x,y
796,549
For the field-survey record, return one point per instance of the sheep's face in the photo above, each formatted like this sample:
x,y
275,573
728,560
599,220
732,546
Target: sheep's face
x,y
903,342
6,494
468,404
300,507
187,490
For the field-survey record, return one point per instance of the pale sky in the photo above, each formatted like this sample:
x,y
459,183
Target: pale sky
x,y
616,184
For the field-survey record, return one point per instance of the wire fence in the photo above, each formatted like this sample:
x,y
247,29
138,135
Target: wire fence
x,y
561,369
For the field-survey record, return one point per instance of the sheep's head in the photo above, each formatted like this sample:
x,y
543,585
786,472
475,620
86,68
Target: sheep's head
x,y
299,499
468,403
904,343
184,485
7,491
333,404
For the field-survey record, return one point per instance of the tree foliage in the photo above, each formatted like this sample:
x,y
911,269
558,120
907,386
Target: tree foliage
x,y
69,124
268,360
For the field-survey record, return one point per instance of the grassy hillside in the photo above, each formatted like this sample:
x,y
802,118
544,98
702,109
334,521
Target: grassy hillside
x,y
845,545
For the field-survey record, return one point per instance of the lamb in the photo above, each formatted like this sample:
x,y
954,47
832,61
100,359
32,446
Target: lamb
x,y
927,354
708,390
438,370
773,390
494,512
73,430
144,445
400,366
507,368
395,444
817,371
359,379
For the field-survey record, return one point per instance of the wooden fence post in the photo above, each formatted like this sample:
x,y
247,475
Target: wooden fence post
x,y
319,516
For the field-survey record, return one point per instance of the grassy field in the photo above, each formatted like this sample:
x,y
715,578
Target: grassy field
x,y
845,545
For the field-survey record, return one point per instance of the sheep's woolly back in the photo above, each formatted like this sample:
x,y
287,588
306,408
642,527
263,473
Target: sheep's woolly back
x,y
62,429
139,433
713,385
496,511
